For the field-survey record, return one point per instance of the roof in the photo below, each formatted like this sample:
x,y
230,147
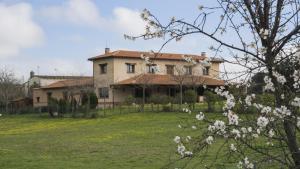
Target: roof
x,y
60,77
86,81
155,79
138,54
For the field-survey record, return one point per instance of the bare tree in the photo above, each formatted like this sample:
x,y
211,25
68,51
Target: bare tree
x,y
10,87
148,67
180,77
264,37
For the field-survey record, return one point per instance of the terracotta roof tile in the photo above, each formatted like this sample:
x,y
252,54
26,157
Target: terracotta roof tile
x,y
154,79
59,77
137,54
86,81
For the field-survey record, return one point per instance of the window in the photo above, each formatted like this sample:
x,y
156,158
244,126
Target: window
x,y
206,71
130,67
38,99
103,68
170,69
103,92
188,70
151,68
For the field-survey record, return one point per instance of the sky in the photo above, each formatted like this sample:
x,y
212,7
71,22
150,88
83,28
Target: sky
x,y
56,37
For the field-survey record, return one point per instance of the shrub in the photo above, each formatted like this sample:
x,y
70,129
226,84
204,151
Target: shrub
x,y
129,100
210,98
94,115
167,108
52,106
163,99
62,106
93,100
153,99
189,96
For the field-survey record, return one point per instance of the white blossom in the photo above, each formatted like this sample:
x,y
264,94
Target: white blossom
x,y
266,110
296,102
187,110
248,100
236,133
281,112
188,153
220,126
262,122
255,135
233,119
145,14
200,116
209,140
177,139
211,128
269,84
188,138
271,133
280,78
181,149
296,76
232,147
249,129
245,164
194,127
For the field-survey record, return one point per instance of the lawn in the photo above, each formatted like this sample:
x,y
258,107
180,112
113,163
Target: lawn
x,y
133,140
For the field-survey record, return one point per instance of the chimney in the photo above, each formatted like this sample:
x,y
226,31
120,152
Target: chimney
x,y
107,50
203,54
31,74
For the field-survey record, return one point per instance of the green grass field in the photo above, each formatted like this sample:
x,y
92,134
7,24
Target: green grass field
x,y
133,140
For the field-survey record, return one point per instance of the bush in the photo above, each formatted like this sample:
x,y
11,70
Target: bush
x,y
93,100
163,99
190,97
167,108
210,98
129,100
94,115
62,106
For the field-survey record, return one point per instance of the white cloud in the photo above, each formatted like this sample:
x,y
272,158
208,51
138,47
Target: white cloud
x,y
17,30
128,21
85,12
76,11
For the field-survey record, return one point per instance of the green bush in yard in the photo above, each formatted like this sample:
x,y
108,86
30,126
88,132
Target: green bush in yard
x,y
167,107
93,100
190,97
163,99
62,106
129,100
211,99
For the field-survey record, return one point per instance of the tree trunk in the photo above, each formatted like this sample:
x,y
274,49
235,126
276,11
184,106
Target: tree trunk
x,y
181,95
292,143
6,107
144,98
104,107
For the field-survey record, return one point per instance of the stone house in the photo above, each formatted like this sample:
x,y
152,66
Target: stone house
x,y
118,74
